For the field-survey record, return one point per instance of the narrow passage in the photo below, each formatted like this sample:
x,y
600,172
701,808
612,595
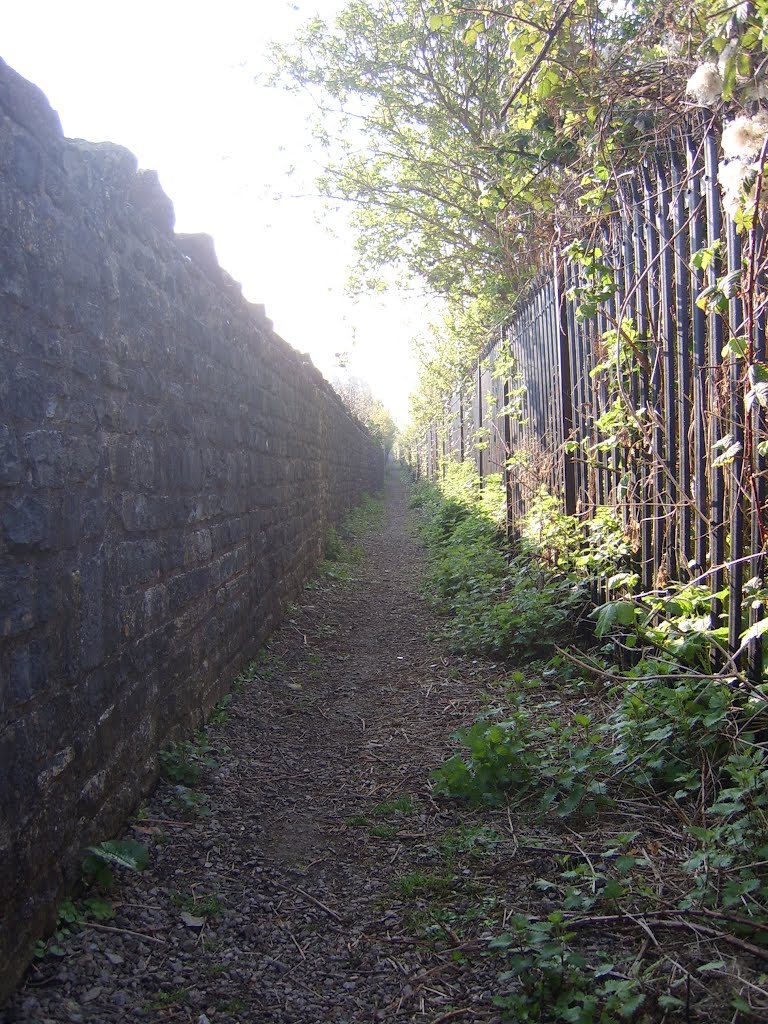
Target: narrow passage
x,y
314,888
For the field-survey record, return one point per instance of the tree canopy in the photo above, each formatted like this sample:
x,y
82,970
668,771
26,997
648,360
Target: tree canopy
x,y
470,139
356,394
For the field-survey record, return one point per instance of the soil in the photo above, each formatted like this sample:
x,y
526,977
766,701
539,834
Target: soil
x,y
326,883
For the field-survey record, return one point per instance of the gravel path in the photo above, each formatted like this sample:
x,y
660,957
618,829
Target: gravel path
x,y
311,890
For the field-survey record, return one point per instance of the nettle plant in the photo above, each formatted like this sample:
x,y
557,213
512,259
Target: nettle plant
x,y
510,600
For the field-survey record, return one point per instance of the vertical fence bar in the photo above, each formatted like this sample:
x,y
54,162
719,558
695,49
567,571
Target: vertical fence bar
x,y
657,430
566,386
717,486
736,495
669,357
479,423
759,419
683,339
641,304
697,219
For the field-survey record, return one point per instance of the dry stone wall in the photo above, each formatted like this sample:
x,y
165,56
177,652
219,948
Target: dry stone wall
x,y
169,468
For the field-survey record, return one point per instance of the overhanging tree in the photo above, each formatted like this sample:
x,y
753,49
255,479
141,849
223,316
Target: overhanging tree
x,y
406,117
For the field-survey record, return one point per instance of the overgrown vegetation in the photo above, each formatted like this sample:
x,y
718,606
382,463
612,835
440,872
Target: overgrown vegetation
x,y
500,132
648,727
500,600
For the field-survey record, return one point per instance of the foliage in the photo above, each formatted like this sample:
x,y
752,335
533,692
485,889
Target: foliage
x,y
191,803
70,917
406,116
446,353
553,982
510,601
342,544
96,874
468,179
554,765
185,762
219,715
356,395
126,853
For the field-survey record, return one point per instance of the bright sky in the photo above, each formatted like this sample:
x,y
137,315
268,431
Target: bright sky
x,y
176,82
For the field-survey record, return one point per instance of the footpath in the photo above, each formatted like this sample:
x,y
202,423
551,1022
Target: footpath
x,y
308,875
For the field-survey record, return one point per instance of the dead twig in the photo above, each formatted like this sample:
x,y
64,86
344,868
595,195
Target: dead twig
x,y
312,899
126,931
452,1015
674,921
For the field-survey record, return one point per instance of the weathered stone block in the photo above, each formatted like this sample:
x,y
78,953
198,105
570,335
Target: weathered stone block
x,y
17,599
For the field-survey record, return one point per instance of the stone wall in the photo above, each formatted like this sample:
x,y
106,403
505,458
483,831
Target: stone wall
x,y
169,468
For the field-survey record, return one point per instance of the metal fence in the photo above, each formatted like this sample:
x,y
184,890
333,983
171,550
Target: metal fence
x,y
640,406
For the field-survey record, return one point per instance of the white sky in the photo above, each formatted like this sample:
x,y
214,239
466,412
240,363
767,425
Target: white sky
x,y
174,82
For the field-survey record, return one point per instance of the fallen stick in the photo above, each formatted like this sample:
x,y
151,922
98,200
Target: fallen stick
x,y
125,931
312,899
672,922
452,1015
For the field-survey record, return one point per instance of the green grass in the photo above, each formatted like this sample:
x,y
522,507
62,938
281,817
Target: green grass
x,y
402,805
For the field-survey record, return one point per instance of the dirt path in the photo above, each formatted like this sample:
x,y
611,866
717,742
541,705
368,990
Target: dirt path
x,y
313,891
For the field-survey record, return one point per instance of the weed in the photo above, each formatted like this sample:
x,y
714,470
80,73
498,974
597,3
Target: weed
x,y
201,906
192,804
219,714
267,665
498,602
231,1006
161,1000
548,980
96,868
384,831
468,840
186,761
422,883
356,820
402,805
335,550
556,764
245,678
69,919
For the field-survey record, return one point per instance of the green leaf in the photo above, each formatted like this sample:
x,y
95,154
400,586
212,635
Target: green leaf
x,y
728,455
735,348
754,631
711,965
99,910
128,853
615,613
702,259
